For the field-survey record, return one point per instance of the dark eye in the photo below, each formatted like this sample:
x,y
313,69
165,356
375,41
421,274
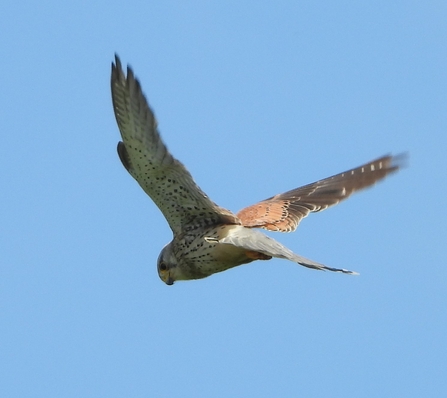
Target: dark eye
x,y
163,267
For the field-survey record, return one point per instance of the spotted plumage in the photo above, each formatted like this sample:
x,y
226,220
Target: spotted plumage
x,y
208,238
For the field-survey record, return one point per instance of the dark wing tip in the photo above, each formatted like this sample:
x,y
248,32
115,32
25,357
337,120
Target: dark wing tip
x,y
340,270
393,162
118,73
128,80
117,60
399,161
117,70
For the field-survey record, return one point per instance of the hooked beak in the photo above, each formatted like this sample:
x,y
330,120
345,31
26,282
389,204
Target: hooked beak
x,y
169,281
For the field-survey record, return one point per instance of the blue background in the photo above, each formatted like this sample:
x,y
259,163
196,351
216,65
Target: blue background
x,y
255,99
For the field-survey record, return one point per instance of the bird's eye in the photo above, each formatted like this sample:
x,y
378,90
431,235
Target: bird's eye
x,y
163,267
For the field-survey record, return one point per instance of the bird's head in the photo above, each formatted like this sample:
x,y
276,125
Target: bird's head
x,y
167,264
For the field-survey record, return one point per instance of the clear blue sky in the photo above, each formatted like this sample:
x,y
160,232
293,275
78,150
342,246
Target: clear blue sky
x,y
254,99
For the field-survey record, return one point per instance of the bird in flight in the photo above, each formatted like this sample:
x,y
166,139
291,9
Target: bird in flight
x,y
208,238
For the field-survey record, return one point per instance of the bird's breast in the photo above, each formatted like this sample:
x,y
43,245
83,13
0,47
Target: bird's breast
x,y
200,254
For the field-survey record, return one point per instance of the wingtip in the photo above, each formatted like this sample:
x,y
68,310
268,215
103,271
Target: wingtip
x,y
400,161
346,271
118,73
117,63
353,273
340,270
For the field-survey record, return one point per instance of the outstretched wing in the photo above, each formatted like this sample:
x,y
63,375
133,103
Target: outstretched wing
x,y
256,241
147,159
284,212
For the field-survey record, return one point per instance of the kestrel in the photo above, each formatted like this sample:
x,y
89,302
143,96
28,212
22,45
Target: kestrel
x,y
208,238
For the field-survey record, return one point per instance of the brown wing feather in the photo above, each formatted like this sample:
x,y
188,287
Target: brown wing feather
x,y
284,212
